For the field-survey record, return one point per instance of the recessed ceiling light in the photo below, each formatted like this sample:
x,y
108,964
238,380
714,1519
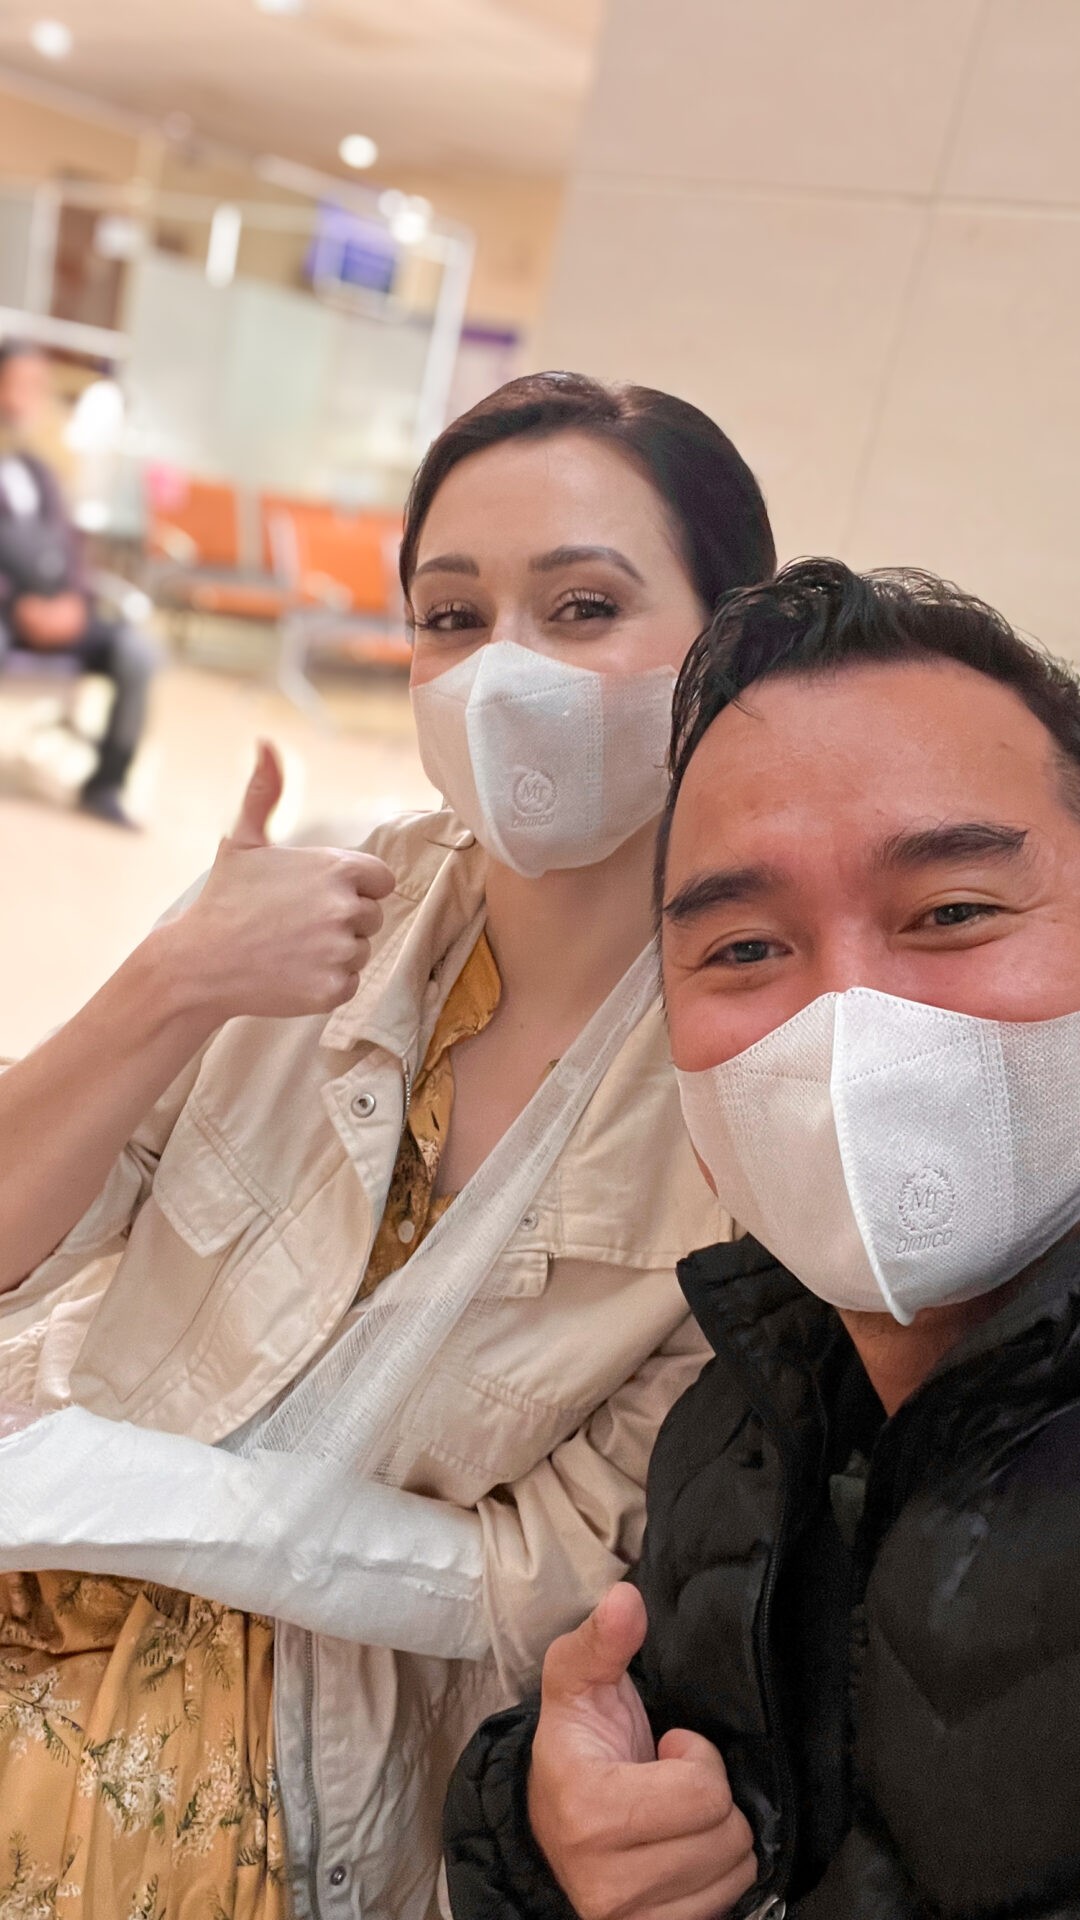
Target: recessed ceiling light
x,y
281,6
118,237
409,215
357,150
52,39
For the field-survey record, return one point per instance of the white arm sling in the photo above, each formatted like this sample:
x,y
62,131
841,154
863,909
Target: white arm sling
x,y
295,1522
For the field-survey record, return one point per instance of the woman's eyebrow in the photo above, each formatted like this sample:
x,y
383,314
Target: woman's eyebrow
x,y
573,557
449,563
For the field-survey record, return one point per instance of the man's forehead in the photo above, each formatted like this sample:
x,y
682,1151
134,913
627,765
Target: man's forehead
x,y
859,757
872,725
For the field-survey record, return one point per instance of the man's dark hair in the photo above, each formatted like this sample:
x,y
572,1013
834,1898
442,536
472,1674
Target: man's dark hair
x,y
817,617
713,499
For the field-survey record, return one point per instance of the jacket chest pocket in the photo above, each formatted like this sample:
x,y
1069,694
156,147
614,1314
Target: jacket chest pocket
x,y
201,1219
496,1403
204,1198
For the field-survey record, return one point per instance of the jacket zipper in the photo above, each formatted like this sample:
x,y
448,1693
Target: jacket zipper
x,y
782,1870
309,1776
775,1888
309,1675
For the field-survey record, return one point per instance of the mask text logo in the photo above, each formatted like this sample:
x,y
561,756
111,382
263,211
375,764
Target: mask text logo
x,y
534,796
927,1208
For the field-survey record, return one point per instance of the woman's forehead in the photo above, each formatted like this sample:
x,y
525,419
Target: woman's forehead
x,y
537,494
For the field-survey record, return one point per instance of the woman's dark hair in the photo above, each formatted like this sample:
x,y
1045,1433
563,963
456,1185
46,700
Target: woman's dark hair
x,y
817,617
17,349
710,493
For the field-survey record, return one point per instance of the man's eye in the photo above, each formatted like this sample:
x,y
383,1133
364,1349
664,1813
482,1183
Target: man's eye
x,y
742,953
959,913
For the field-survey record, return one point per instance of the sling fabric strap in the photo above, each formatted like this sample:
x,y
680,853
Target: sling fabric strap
x,y
346,1407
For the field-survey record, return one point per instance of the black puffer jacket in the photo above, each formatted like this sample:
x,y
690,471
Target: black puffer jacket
x,y
923,1762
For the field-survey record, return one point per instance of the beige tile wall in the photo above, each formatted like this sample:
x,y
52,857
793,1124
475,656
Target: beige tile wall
x,y
851,230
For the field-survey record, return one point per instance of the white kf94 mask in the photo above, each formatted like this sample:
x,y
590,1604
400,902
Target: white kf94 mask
x,y
549,765
895,1155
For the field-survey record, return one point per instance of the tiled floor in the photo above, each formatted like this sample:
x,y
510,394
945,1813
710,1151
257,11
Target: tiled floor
x,y
76,896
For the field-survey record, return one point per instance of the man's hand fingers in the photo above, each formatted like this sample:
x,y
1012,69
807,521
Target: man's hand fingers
x,y
680,1744
598,1653
691,1878
662,1799
264,790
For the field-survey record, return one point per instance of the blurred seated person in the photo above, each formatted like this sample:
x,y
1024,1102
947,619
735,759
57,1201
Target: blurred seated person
x,y
46,601
857,1696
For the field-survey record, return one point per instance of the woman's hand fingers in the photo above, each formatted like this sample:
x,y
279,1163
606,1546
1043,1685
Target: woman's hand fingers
x,y
14,1416
280,931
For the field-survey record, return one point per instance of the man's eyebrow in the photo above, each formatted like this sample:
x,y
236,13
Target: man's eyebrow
x,y
449,563
964,840
573,557
725,887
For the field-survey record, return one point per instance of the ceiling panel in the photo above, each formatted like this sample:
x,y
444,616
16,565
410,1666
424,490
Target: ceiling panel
x,y
485,84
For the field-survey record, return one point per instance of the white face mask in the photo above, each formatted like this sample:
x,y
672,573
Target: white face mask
x,y
892,1154
550,765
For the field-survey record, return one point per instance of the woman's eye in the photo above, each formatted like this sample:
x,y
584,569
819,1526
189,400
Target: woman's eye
x,y
456,617
958,913
743,953
586,606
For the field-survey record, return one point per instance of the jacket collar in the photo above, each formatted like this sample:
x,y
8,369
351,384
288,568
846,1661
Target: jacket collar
x,y
996,1386
738,1284
1046,1305
743,1299
435,919
600,1203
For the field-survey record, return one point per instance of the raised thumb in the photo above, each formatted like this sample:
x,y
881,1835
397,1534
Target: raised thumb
x,y
264,790
599,1652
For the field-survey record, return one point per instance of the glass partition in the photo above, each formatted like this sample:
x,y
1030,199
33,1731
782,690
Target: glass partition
x,y
304,341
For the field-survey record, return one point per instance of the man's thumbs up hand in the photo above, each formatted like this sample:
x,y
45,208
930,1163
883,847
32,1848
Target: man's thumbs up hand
x,y
631,1832
588,1695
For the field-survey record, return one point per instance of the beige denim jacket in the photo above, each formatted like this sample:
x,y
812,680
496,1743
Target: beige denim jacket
x,y
243,1211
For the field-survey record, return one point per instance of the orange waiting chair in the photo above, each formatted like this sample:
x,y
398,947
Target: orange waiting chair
x,y
348,602
205,539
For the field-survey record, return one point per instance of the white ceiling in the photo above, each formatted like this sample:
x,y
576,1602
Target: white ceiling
x,y
451,84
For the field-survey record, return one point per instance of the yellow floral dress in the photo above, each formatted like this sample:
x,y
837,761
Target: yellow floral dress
x,y
136,1724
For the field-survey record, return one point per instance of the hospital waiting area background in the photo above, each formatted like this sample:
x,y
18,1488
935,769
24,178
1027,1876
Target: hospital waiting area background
x,y
271,246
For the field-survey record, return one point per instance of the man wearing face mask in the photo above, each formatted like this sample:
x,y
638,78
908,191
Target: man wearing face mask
x,y
848,1684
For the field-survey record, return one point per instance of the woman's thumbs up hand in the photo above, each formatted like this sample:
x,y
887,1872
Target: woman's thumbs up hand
x,y
278,931
263,792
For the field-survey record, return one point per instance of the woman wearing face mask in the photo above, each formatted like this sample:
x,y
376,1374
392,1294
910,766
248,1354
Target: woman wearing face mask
x,y
411,1266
